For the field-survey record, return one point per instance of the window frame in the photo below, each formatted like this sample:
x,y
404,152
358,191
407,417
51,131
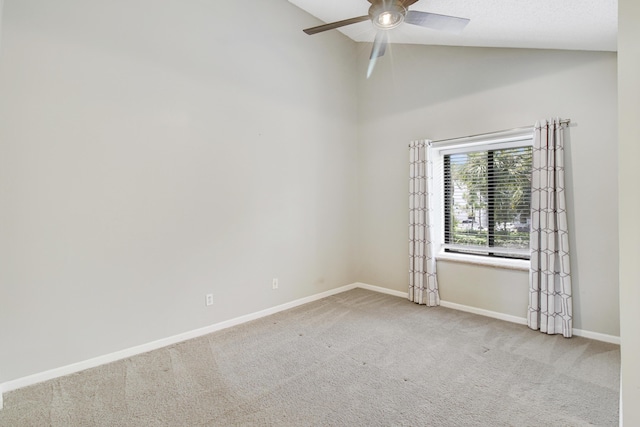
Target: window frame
x,y
486,142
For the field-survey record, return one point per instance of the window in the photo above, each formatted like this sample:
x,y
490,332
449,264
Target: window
x,y
486,197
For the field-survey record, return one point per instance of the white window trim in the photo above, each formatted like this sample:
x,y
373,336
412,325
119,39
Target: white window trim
x,y
504,139
487,261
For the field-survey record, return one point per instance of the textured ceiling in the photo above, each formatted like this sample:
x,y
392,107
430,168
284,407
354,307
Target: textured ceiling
x,y
543,24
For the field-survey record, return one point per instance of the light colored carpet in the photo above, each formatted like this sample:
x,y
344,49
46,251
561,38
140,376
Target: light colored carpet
x,y
359,358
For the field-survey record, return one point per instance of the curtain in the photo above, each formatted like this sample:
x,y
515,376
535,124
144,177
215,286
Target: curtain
x,y
550,304
423,283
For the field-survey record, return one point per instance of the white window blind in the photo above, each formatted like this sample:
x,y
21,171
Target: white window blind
x,y
486,197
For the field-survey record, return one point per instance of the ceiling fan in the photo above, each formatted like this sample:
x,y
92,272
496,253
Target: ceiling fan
x,y
388,14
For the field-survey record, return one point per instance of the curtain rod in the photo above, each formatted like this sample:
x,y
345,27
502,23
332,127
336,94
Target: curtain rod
x,y
524,128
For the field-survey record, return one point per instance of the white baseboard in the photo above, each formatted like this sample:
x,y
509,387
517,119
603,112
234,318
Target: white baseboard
x,y
523,321
483,312
620,411
155,345
381,290
612,339
144,348
493,314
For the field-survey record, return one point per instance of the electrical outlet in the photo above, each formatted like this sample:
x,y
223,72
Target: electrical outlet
x,y
274,284
209,299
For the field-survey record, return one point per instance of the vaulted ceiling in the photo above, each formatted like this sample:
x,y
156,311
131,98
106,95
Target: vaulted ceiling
x,y
542,24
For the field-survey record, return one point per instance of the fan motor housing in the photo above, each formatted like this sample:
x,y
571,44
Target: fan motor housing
x,y
387,15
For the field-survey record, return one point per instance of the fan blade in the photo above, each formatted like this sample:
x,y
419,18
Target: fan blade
x,y
435,21
379,48
379,45
331,26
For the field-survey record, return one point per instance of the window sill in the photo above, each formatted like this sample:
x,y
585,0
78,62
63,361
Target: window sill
x,y
504,263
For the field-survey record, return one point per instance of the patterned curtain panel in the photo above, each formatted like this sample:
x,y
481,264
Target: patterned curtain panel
x,y
550,304
423,283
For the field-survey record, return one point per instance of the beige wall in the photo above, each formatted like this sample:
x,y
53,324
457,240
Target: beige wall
x,y
147,159
629,176
1,7
489,288
442,92
154,152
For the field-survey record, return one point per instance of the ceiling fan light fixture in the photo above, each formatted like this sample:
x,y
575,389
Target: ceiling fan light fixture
x,y
388,19
387,16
